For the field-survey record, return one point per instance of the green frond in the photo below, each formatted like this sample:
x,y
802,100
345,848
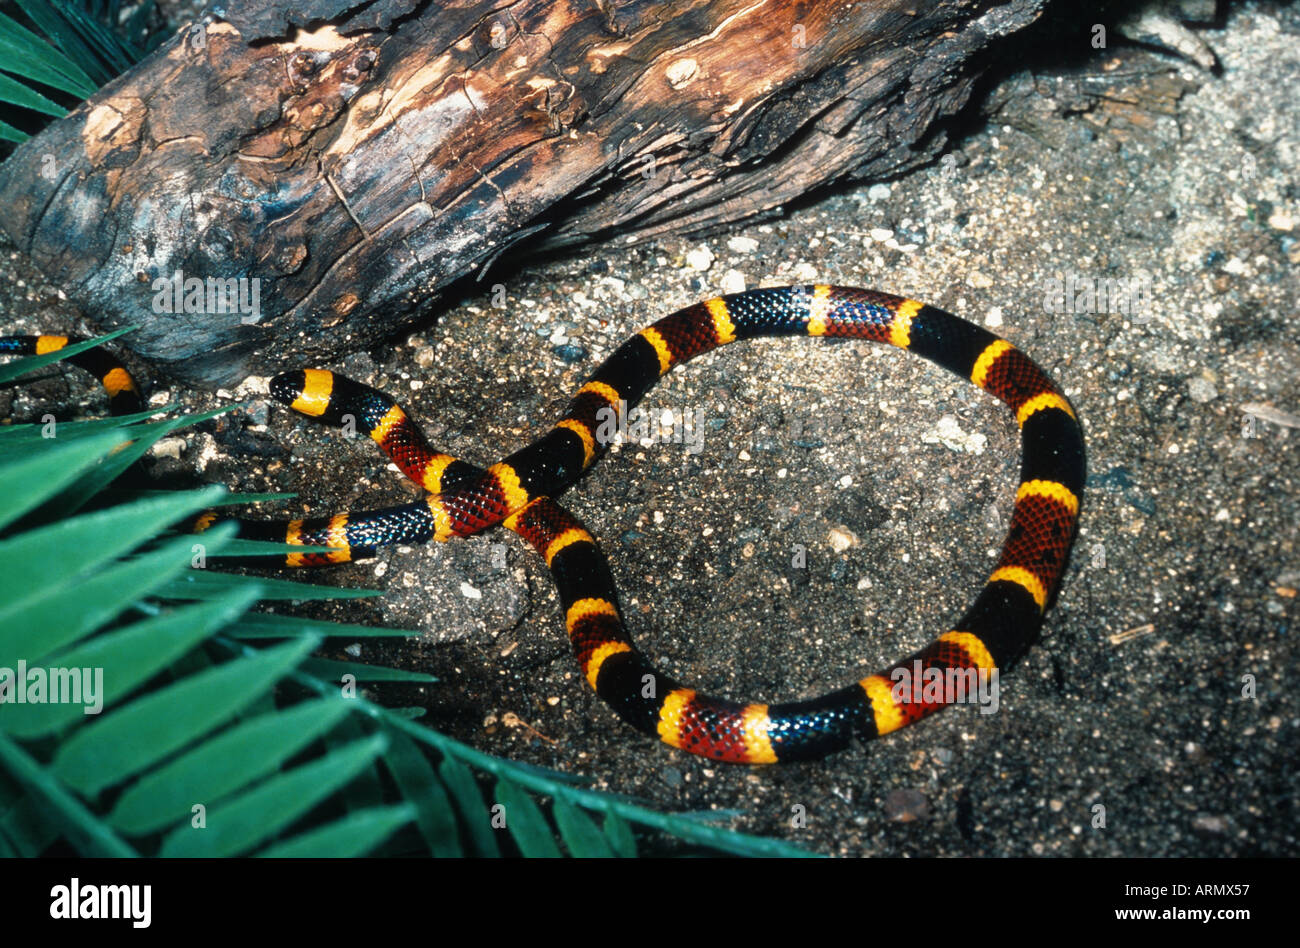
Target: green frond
x,y
579,831
143,733
20,367
257,815
27,54
519,813
76,47
271,625
126,658
353,835
415,778
205,584
53,621
330,670
261,744
37,477
202,729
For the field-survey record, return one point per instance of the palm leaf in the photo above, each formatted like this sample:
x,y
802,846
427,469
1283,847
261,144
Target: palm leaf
x,y
17,440
524,820
330,670
26,54
269,625
39,476
262,745
14,92
67,551
434,816
255,816
143,733
86,831
80,43
73,51
118,461
619,835
473,814
353,835
53,622
10,134
579,831
208,584
126,657
195,712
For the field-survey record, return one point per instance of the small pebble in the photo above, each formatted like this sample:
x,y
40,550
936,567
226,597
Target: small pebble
x,y
906,806
1201,389
733,281
701,258
1210,823
168,448
570,353
259,412
841,538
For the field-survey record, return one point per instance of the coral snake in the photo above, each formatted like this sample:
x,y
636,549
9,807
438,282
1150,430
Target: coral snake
x,y
464,499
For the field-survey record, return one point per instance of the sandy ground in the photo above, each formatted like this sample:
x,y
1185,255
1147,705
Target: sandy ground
x,y
897,480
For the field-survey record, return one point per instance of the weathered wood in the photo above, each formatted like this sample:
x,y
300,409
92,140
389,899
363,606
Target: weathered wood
x,y
354,160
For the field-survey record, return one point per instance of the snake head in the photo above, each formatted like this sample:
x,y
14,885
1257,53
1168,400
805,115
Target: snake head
x,y
312,392
332,398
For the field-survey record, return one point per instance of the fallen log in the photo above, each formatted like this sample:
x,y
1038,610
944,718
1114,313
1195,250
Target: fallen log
x,y
291,180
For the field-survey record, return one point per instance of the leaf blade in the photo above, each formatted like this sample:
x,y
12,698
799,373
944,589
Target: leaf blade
x,y
261,745
65,551
28,481
417,781
40,628
525,822
254,816
123,659
579,831
354,835
474,816
151,727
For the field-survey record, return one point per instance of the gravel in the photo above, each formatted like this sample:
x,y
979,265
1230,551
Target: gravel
x,y
1156,716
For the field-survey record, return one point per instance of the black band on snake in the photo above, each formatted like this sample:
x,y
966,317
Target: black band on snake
x,y
464,499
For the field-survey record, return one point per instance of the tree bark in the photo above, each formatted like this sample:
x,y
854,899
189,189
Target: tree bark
x,y
346,162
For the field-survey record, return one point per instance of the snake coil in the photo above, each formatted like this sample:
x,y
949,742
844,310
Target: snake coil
x,y
517,493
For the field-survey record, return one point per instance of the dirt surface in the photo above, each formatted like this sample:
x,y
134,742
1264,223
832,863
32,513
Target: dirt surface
x,y
896,478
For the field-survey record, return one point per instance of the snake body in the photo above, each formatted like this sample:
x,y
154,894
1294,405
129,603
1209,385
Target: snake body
x,y
123,394
517,492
